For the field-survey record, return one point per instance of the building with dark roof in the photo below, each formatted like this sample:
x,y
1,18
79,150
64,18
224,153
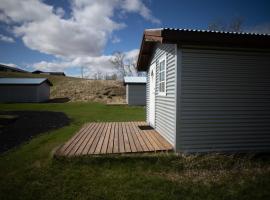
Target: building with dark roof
x,y
49,73
5,68
208,91
135,90
24,90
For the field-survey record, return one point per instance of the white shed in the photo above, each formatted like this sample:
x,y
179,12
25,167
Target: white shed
x,y
135,90
24,90
208,91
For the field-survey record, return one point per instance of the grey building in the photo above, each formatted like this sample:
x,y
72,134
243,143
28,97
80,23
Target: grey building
x,y
208,91
5,68
135,90
24,89
49,73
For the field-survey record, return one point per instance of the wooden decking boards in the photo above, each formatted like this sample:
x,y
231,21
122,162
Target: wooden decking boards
x,y
113,138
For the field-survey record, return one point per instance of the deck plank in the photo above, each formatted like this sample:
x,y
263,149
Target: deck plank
x,y
97,138
135,137
91,145
85,141
116,139
113,137
139,136
126,140
64,147
143,133
106,139
72,147
148,136
121,142
130,138
101,140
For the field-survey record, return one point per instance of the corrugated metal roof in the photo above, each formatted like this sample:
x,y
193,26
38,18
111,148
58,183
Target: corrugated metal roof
x,y
209,31
134,79
23,81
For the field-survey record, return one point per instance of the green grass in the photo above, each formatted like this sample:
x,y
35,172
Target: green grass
x,y
8,116
30,171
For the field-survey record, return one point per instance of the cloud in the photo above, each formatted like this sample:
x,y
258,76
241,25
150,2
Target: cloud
x,y
9,64
91,65
115,39
137,6
6,38
85,33
78,40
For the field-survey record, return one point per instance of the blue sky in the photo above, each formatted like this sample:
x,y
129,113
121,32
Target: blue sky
x,y
64,35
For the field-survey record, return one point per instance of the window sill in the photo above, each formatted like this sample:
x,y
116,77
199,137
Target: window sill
x,y
162,94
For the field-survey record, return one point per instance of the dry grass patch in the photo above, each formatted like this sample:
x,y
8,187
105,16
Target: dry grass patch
x,y
80,90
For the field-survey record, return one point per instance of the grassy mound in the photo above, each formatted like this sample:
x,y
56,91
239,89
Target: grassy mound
x,y
78,89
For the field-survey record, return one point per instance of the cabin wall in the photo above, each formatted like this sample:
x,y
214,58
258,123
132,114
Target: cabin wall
x,y
43,92
165,109
136,94
223,101
24,93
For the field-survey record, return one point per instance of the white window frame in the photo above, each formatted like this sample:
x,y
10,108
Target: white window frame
x,y
163,58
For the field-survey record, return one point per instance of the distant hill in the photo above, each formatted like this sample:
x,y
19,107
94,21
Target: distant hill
x,y
78,89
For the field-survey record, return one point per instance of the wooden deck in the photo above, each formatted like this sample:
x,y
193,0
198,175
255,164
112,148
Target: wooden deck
x,y
114,138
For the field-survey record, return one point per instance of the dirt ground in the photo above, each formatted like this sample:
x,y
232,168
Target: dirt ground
x,y
27,124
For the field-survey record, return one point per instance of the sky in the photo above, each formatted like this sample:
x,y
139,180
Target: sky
x,y
66,35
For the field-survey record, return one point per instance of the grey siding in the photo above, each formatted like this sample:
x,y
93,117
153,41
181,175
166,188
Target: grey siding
x,y
224,101
165,108
147,97
43,92
24,93
136,94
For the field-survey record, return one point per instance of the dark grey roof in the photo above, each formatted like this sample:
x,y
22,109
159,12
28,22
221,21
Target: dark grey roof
x,y
14,69
23,81
208,31
191,37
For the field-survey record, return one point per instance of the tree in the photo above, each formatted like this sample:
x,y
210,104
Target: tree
x,y
82,70
118,61
235,25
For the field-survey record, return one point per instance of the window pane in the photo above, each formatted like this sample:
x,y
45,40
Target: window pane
x,y
162,76
162,86
162,65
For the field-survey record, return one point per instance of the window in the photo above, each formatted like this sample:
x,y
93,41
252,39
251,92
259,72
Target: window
x,y
162,76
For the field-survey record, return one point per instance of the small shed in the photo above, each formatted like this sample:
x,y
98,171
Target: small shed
x,y
24,90
135,90
208,91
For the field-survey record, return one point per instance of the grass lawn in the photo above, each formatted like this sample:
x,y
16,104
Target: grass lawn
x,y
30,172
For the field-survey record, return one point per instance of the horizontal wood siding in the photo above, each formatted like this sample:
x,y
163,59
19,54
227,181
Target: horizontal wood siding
x,y
147,97
165,105
225,101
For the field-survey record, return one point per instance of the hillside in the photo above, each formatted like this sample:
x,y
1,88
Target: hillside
x,y
78,89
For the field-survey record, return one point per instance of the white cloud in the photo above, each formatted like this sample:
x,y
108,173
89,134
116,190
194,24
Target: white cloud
x,y
6,38
90,64
133,54
9,64
23,11
138,6
115,39
76,41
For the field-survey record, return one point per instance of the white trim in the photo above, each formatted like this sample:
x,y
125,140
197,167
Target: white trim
x,y
162,58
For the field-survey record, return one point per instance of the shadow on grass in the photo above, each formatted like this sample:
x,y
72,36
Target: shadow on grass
x,y
28,124
58,100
